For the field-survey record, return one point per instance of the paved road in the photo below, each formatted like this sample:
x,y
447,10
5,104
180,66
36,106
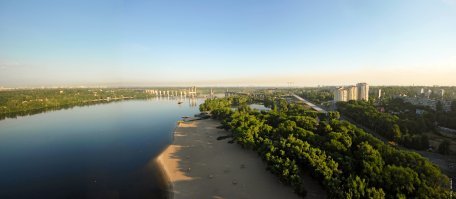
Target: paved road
x,y
313,106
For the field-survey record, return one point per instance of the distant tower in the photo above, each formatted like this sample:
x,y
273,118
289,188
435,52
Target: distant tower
x,y
379,93
363,91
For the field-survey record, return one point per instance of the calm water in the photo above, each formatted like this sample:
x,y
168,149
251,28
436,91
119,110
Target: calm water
x,y
100,151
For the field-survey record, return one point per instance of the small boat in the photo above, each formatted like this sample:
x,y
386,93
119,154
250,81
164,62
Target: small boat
x,y
180,102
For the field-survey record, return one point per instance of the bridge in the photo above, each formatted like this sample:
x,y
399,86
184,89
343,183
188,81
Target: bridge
x,y
313,106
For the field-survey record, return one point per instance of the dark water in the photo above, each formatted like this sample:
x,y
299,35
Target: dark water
x,y
101,151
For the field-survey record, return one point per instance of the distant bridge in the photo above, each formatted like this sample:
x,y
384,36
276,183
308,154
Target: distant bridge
x,y
313,106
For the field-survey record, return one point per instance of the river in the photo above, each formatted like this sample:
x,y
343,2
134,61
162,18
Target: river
x,y
99,151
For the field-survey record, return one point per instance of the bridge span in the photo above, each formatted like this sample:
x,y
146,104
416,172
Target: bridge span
x,y
313,106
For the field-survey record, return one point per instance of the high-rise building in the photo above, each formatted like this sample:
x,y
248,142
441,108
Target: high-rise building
x,y
379,93
428,94
352,93
363,91
442,92
340,95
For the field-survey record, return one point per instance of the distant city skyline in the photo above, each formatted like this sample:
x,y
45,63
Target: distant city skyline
x,y
227,43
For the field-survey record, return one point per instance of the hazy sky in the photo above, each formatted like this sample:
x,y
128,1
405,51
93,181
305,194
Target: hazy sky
x,y
227,42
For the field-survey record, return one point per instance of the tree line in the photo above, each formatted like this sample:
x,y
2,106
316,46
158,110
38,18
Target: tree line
x,y
27,102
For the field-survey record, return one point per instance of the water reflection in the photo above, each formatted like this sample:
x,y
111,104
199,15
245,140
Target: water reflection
x,y
102,151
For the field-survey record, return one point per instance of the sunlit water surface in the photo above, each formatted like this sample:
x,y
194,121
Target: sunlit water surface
x,y
99,151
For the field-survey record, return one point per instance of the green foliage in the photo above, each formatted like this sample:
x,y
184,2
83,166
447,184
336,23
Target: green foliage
x,y
347,161
390,126
26,102
318,95
401,180
444,147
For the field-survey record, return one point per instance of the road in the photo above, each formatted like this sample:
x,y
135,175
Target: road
x,y
313,106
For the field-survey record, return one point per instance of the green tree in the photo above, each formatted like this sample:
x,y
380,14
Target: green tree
x,y
370,162
444,147
401,180
396,130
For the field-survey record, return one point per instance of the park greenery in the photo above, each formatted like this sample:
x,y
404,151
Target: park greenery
x,y
15,103
347,161
399,121
403,130
317,96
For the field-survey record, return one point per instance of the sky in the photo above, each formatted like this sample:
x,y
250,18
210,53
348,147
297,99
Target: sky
x,y
227,43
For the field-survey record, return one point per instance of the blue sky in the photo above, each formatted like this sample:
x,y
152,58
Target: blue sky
x,y
235,42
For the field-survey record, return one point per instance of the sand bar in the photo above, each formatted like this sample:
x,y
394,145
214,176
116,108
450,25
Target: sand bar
x,y
200,166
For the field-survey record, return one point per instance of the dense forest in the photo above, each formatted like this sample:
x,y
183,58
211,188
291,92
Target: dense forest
x,y
399,122
348,162
405,130
316,95
26,102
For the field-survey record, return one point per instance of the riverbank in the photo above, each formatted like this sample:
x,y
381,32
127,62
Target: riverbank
x,y
198,165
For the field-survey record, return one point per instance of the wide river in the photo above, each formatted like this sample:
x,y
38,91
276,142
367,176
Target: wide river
x,y
98,151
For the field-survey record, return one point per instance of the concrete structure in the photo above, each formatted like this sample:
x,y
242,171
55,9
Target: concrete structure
x,y
442,93
341,95
379,93
363,91
428,94
192,91
352,93
313,106
358,92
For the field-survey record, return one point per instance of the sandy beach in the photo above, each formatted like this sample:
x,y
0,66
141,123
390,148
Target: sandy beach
x,y
198,165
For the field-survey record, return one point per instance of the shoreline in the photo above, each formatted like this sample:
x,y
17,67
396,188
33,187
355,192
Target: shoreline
x,y
162,169
165,176
197,165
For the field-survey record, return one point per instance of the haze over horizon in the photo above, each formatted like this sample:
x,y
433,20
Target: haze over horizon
x,y
227,43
